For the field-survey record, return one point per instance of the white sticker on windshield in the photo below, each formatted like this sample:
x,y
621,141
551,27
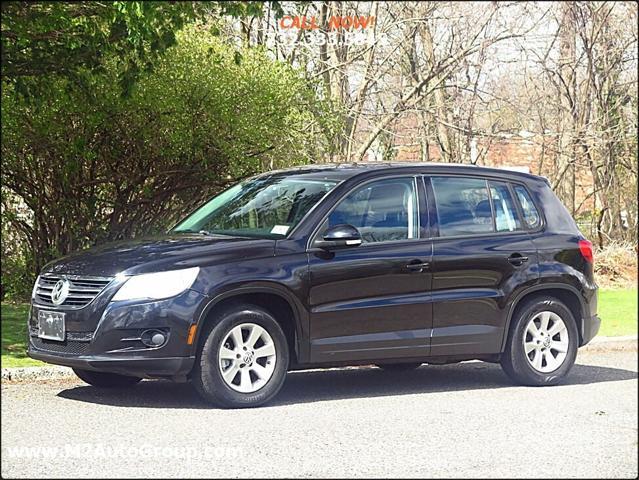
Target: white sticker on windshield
x,y
280,229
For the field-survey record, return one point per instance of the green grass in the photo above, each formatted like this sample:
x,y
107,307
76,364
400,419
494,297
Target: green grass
x,y
618,312
14,336
617,309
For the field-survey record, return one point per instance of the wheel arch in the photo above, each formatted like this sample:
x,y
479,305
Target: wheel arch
x,y
279,302
568,294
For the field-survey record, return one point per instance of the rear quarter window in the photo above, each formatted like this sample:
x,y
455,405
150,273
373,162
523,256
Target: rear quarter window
x,y
532,218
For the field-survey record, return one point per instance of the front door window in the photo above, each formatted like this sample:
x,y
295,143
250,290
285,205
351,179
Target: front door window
x,y
382,211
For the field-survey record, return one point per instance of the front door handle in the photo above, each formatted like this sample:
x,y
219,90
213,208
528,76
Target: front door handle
x,y
418,266
517,259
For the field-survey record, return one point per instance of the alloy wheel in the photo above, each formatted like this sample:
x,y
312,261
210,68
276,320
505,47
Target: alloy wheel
x,y
545,341
247,358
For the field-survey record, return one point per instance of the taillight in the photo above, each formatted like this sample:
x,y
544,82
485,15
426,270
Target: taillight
x,y
585,247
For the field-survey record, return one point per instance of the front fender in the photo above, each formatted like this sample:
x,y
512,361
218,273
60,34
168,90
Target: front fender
x,y
229,291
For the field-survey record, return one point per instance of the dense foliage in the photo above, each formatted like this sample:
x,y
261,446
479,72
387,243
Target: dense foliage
x,y
70,38
92,165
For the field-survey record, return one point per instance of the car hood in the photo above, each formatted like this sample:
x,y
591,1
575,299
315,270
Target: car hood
x,y
153,254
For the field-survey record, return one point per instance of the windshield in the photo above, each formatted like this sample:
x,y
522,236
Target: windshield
x,y
266,207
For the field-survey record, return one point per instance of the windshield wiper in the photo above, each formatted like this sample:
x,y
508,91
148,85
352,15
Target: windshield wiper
x,y
201,232
210,233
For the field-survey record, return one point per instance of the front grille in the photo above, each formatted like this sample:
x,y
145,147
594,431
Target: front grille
x,y
72,336
82,290
80,336
69,347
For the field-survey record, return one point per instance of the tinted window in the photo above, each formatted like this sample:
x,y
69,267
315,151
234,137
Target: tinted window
x,y
382,211
531,215
506,218
463,206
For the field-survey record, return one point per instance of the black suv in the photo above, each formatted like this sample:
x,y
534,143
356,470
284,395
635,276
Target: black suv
x,y
391,264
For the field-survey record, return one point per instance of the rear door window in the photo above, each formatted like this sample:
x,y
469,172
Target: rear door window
x,y
463,206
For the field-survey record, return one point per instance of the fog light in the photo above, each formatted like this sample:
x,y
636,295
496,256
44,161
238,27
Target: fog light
x,y
153,338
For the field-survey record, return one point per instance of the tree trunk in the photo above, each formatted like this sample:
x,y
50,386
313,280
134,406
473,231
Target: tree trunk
x,y
568,101
439,99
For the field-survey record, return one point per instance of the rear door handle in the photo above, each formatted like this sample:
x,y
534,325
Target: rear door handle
x,y
517,259
418,266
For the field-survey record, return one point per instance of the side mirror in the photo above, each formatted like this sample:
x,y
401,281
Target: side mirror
x,y
340,236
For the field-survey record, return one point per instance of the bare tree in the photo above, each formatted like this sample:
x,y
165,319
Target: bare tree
x,y
447,79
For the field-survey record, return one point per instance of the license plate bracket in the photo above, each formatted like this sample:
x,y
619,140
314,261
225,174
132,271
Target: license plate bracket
x,y
51,325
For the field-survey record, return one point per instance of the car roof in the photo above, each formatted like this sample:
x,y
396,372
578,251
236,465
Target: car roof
x,y
343,171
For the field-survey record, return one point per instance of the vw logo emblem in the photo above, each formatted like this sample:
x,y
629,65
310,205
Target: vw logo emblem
x,y
60,292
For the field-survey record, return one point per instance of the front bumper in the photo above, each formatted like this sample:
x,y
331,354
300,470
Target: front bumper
x,y
137,366
109,340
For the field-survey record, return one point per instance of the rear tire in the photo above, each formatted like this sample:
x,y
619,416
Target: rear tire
x,y
105,379
399,367
242,359
542,343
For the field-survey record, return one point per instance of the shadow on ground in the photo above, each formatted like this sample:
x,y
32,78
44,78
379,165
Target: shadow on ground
x,y
365,382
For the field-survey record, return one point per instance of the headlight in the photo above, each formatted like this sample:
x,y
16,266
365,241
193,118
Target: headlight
x,y
155,286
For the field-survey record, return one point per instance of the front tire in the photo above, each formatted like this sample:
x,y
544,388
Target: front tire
x,y
105,379
242,359
542,343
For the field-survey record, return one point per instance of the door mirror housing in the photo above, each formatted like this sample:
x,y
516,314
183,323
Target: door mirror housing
x,y
340,236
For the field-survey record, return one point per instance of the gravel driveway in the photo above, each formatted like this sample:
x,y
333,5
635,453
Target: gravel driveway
x,y
459,420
